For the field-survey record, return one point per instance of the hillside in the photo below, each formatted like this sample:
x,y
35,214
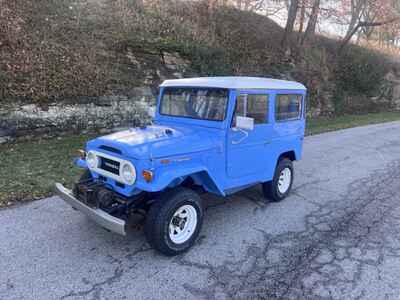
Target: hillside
x,y
85,51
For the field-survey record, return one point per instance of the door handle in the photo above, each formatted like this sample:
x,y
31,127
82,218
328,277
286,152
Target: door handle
x,y
267,142
246,135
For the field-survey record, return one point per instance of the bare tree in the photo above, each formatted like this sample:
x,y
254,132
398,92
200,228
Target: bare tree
x,y
356,9
369,14
312,22
363,24
292,14
251,5
302,16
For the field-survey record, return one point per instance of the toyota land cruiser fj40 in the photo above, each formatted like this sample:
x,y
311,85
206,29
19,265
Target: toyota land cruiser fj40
x,y
213,134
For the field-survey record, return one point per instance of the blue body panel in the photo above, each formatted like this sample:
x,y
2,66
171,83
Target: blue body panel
x,y
175,148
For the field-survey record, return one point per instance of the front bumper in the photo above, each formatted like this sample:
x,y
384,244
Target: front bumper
x,y
97,215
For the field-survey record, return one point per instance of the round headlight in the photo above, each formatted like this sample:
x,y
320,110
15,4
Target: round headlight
x,y
91,160
128,173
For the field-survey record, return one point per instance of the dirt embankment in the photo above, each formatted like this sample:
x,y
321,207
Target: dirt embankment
x,y
57,54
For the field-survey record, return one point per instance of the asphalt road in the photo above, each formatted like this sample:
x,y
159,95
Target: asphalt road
x,y
337,237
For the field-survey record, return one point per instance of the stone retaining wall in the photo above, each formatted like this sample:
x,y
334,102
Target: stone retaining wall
x,y
103,114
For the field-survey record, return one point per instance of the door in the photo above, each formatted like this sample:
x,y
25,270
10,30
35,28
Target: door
x,y
248,150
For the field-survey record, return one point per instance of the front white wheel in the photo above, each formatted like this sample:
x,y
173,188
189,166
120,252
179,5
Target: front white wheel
x,y
183,224
174,221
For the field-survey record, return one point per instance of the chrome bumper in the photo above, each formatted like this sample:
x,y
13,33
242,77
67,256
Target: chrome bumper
x,y
99,216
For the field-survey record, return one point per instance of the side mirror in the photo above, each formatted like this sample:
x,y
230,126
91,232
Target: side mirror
x,y
244,123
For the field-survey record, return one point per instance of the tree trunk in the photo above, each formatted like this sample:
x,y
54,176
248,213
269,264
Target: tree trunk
x,y
211,6
348,37
312,23
287,35
356,8
302,16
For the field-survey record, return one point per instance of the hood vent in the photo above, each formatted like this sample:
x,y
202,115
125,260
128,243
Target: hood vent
x,y
110,149
168,131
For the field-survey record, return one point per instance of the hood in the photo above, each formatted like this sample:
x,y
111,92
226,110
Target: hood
x,y
158,141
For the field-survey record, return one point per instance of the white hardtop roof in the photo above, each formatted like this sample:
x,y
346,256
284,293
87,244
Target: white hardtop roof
x,y
237,82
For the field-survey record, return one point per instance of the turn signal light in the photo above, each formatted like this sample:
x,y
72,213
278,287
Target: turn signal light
x,y
165,161
147,175
82,153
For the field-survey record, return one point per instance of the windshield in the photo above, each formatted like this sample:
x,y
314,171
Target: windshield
x,y
196,103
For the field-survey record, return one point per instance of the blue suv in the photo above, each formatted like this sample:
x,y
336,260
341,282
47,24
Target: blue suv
x,y
213,134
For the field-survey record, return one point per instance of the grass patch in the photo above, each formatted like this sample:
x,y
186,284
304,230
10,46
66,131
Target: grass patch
x,y
28,170
320,125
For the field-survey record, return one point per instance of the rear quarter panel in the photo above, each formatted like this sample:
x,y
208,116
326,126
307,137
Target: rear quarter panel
x,y
288,135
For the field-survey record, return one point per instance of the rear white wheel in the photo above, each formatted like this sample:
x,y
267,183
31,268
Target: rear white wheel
x,y
279,187
285,180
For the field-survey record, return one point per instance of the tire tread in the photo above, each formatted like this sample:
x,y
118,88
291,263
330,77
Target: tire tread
x,y
270,188
160,210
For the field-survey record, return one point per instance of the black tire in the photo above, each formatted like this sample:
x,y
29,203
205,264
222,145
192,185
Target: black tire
x,y
160,215
270,188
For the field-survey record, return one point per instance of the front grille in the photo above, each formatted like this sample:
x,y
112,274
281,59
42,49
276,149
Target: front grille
x,y
109,165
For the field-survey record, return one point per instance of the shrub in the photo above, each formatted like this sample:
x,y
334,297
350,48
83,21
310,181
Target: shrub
x,y
361,71
51,50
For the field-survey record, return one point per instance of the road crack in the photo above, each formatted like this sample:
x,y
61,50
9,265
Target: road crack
x,y
341,241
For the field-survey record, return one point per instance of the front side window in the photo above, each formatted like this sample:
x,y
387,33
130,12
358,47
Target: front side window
x,y
195,103
288,107
252,106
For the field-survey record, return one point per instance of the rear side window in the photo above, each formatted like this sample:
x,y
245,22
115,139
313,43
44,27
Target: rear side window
x,y
288,107
252,106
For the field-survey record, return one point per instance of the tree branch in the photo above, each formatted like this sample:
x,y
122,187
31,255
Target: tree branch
x,y
365,24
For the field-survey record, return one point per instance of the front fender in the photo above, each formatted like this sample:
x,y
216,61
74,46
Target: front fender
x,y
81,163
173,176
